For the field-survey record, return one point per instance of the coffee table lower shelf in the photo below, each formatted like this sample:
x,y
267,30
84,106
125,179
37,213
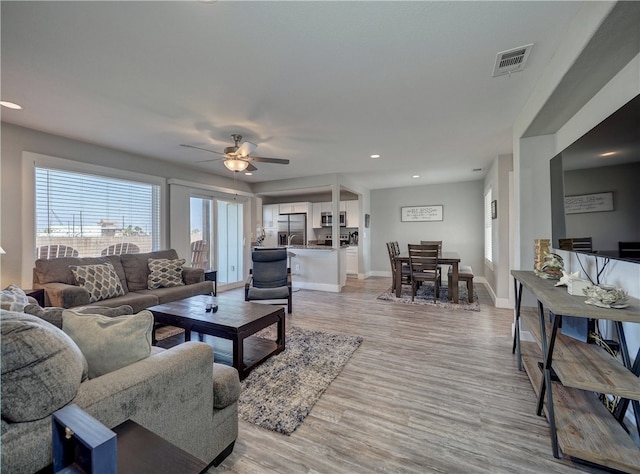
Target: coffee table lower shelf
x,y
256,350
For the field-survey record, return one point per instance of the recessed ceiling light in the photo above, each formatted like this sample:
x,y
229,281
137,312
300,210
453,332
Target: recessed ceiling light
x,y
10,105
609,153
248,173
375,156
416,176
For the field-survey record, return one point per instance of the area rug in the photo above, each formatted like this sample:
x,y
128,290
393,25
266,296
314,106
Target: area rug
x,y
424,296
280,393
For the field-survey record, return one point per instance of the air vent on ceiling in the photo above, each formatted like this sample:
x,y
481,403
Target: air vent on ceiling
x,y
512,60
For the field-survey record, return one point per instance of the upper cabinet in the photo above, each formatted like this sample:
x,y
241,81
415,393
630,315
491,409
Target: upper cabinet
x,y
294,207
270,213
315,215
352,208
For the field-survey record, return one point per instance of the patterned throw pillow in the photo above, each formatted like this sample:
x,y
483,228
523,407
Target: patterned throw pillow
x,y
13,298
101,281
165,273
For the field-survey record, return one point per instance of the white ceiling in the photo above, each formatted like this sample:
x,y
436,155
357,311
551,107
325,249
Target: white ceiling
x,y
324,84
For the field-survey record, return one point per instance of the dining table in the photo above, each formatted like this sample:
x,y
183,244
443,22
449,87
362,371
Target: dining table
x,y
444,258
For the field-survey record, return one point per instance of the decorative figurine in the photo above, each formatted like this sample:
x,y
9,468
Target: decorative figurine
x,y
552,267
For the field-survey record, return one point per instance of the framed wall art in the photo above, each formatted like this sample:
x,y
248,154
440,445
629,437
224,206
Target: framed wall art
x,y
421,213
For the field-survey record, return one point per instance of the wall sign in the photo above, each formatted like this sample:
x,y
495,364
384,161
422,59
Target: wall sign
x,y
421,213
599,202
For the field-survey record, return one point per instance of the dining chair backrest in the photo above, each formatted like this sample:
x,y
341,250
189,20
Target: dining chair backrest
x,y
396,247
433,242
577,243
423,258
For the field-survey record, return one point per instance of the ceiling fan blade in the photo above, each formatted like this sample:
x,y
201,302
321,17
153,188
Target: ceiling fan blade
x,y
278,161
246,148
200,148
251,168
209,161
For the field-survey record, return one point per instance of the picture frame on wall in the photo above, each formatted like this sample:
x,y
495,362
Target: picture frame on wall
x,y
494,209
367,218
421,213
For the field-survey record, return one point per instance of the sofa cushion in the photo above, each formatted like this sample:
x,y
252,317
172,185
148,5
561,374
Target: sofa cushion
x,y
165,273
136,267
101,281
13,298
166,295
42,367
109,343
57,270
53,314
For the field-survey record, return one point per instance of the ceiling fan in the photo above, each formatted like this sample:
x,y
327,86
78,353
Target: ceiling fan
x,y
237,158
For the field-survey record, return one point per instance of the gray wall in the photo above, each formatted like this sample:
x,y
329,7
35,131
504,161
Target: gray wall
x,y
461,230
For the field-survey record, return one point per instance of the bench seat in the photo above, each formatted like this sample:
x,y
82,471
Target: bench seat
x,y
465,273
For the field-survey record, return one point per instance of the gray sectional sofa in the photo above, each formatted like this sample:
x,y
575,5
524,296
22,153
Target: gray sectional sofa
x,y
62,290
179,393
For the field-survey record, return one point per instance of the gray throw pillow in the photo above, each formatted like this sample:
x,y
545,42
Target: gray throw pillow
x,y
53,314
13,298
101,281
109,343
165,273
41,367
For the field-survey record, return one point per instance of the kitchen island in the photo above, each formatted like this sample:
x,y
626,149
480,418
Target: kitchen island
x,y
318,267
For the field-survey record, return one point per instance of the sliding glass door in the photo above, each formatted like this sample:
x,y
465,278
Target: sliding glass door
x,y
230,241
216,229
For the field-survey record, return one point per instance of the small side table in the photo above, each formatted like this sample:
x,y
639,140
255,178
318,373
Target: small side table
x,y
142,451
212,275
37,294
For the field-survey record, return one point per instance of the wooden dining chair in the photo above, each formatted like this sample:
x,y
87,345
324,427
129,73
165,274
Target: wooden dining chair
x,y
423,262
439,244
406,273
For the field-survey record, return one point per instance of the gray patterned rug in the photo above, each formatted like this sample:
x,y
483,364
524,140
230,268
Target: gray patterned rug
x,y
425,295
280,393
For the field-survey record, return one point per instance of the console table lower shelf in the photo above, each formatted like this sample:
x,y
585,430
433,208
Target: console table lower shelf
x,y
586,430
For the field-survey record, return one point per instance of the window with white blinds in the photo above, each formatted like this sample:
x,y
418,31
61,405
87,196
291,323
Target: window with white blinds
x,y
86,215
488,231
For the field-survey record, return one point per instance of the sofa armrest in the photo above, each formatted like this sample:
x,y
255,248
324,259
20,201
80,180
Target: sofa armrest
x,y
192,275
64,296
169,393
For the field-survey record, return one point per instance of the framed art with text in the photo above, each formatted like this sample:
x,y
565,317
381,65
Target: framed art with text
x,y
421,213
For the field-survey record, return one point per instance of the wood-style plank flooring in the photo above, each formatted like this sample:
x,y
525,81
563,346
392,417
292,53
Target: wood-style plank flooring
x,y
429,390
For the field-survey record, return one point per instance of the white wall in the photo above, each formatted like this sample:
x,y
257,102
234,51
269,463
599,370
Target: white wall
x,y
461,230
497,274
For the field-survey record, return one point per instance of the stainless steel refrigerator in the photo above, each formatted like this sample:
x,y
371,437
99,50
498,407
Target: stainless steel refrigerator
x,y
292,229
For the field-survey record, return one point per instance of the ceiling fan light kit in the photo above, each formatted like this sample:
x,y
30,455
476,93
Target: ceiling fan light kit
x,y
234,164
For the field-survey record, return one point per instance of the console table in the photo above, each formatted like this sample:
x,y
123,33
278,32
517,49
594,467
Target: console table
x,y
579,423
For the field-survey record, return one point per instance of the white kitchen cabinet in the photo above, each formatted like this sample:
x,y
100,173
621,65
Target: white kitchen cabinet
x,y
270,213
353,213
343,206
352,260
294,207
316,213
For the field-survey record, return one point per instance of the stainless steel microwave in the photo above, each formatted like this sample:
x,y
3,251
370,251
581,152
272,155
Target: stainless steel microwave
x,y
326,219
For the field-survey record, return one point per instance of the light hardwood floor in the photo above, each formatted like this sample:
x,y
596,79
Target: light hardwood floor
x,y
429,390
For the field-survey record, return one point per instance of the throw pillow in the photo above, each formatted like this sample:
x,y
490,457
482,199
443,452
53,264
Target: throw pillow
x,y
165,273
41,367
101,281
13,298
53,314
109,343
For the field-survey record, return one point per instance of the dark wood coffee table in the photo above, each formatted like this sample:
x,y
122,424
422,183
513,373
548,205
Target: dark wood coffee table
x,y
230,329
